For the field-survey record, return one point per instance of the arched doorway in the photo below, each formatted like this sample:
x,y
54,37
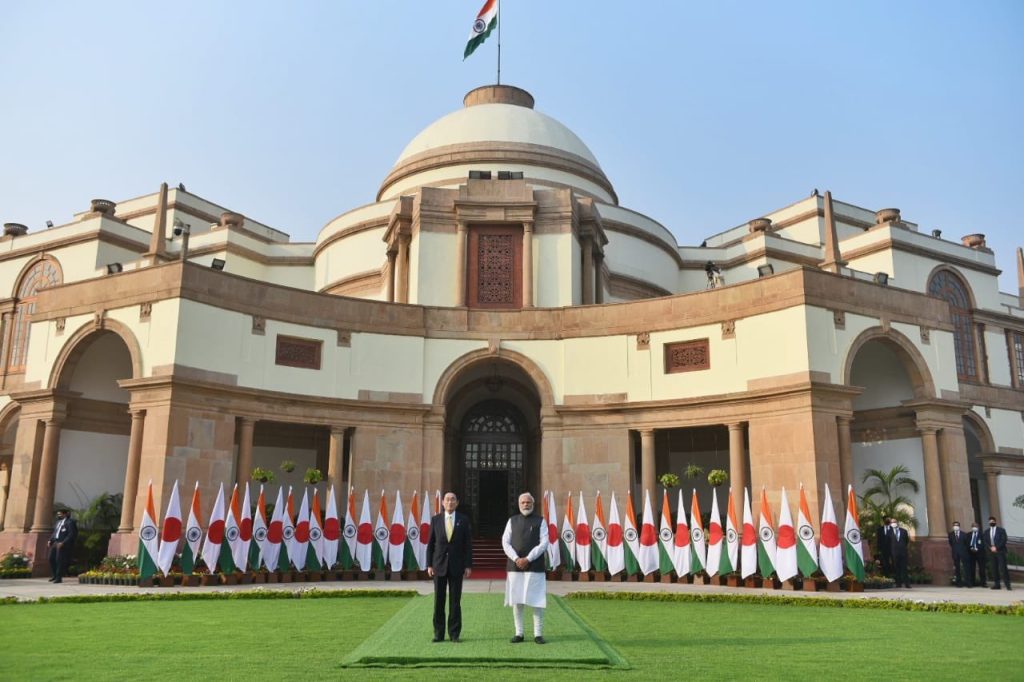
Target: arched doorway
x,y
978,442
492,441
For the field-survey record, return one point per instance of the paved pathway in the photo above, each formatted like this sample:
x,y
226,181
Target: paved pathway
x,y
33,588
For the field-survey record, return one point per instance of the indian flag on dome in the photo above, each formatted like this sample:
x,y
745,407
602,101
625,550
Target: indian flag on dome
x,y
485,22
806,552
149,538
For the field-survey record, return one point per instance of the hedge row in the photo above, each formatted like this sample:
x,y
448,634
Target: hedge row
x,y
258,593
821,602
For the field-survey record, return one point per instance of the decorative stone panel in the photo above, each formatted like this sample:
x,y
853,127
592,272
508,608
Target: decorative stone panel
x,y
926,336
295,352
344,338
643,341
145,311
729,329
687,356
839,318
259,325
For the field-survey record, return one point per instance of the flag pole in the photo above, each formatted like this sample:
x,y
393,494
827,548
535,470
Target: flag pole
x,y
499,41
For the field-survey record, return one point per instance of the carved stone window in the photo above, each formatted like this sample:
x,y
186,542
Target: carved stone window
x,y
296,352
950,288
45,273
687,356
495,268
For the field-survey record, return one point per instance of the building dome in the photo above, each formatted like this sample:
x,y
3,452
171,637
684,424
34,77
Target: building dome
x,y
497,127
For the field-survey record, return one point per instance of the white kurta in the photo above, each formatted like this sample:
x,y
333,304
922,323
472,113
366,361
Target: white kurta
x,y
525,587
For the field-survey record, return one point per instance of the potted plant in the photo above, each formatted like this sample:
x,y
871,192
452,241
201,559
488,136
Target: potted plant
x,y
312,476
693,471
261,475
669,480
287,466
717,477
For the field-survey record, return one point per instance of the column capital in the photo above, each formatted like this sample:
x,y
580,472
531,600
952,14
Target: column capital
x,y
646,433
737,426
247,420
338,430
927,429
528,225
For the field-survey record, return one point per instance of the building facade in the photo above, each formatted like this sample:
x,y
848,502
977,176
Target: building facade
x,y
495,321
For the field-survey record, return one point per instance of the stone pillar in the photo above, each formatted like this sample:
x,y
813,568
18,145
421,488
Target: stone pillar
x,y
598,269
5,483
131,474
336,460
528,264
402,269
391,277
460,264
647,461
588,270
845,452
737,460
245,439
43,517
956,477
933,482
992,481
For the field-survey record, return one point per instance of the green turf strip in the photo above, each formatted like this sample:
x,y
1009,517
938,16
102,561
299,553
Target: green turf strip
x,y
405,640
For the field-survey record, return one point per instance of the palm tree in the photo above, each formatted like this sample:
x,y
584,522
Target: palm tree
x,y
885,498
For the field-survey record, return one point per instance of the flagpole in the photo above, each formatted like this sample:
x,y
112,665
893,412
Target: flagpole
x,y
499,41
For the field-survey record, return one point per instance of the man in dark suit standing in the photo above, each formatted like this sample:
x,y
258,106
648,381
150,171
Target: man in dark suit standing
x,y
62,544
976,551
883,542
961,555
899,547
449,560
995,545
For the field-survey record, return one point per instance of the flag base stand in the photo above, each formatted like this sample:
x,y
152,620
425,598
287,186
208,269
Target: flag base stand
x,y
259,578
733,581
331,576
362,575
701,579
190,581
313,576
630,578
567,576
684,580
165,581
229,579
832,586
789,585
771,584
245,578
666,578
209,579
284,576
395,576
600,576
585,577
298,577
148,582
855,586
270,578
810,585
649,578
752,581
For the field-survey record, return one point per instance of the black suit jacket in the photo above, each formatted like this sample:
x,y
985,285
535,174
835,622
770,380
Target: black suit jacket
x,y
450,556
1000,541
980,543
959,547
67,535
900,542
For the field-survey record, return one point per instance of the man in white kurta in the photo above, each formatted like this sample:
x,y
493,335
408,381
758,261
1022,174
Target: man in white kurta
x,y
525,541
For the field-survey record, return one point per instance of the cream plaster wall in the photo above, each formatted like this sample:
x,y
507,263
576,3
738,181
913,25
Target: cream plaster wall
x,y
1009,517
1006,426
595,365
549,357
367,212
553,269
450,177
89,464
432,269
385,363
884,455
438,355
808,231
638,220
353,255
636,258
998,357
914,271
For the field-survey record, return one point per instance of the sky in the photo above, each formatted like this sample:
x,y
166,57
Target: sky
x,y
702,114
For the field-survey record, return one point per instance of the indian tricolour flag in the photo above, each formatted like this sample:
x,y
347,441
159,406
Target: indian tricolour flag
x,y
231,534
830,554
379,552
730,558
249,531
616,557
666,539
396,536
214,532
647,557
315,552
485,22
413,560
349,532
631,538
567,540
582,538
149,538
332,530
171,533
785,554
715,538
275,533
551,521
599,537
748,556
193,535
766,533
806,552
421,552
364,536
259,533
288,530
681,558
854,550
697,548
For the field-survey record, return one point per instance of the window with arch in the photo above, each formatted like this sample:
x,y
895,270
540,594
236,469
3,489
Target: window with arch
x,y
951,289
45,273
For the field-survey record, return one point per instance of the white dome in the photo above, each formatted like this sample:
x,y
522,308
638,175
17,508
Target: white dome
x,y
497,123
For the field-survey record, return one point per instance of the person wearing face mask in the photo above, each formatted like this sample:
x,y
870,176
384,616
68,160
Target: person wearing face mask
x,y
525,542
976,551
961,555
995,544
899,548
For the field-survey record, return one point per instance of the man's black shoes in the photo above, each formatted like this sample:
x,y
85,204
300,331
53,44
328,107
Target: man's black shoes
x,y
456,640
517,639
540,640
437,639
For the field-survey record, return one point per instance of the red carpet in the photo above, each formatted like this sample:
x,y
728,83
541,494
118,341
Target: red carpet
x,y
488,574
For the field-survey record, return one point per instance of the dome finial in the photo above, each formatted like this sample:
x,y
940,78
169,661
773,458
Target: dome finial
x,y
498,94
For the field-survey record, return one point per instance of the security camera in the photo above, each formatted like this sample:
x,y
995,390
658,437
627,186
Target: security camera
x,y
177,232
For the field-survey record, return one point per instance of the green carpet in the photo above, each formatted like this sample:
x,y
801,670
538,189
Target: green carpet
x,y
405,640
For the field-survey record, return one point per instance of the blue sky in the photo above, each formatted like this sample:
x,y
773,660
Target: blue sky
x,y
703,115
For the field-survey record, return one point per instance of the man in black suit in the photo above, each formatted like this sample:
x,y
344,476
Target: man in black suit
x,y
883,542
449,560
62,544
961,555
899,548
995,545
976,552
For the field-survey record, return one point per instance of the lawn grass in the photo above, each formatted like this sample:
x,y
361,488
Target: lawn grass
x,y
308,638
